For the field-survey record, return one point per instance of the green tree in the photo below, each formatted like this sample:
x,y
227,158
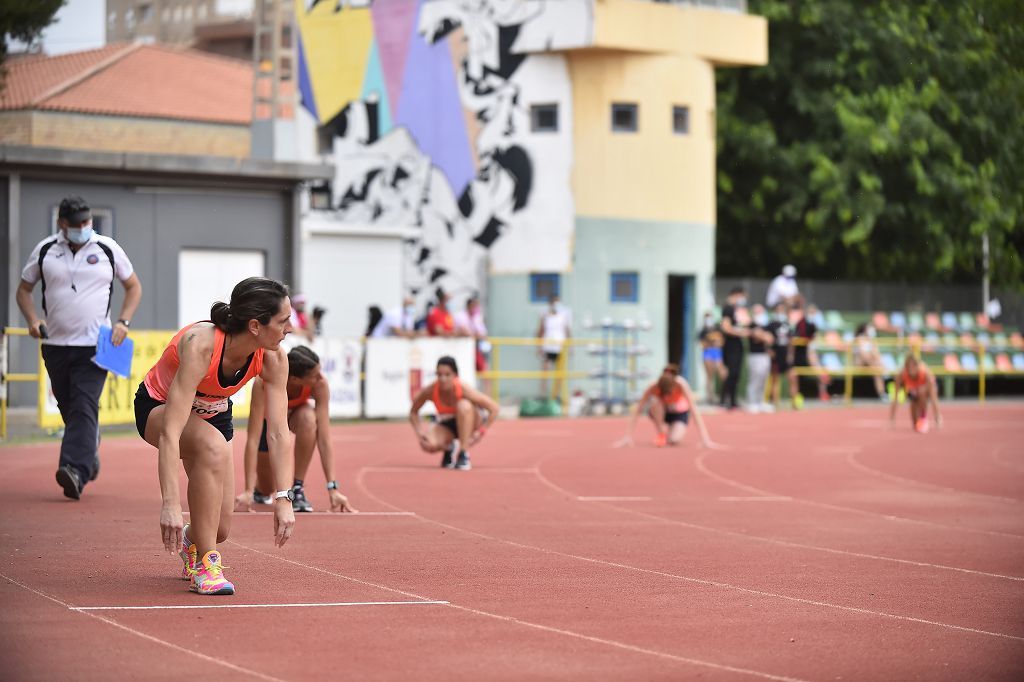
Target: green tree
x,y
881,142
24,19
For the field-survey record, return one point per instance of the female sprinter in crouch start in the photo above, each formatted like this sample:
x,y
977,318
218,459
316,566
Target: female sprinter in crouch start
x,y
183,408
671,403
458,425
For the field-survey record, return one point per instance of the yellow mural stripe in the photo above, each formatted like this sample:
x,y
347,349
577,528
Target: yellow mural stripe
x,y
337,48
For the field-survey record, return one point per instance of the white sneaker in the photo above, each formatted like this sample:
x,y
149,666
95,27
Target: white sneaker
x,y
768,408
753,409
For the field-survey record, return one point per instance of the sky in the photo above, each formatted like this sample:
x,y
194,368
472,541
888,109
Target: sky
x,y
79,25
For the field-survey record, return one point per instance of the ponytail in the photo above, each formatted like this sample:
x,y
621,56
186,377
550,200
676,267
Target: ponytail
x,y
254,298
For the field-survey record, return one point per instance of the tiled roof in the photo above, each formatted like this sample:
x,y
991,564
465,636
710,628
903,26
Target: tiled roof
x,y
147,81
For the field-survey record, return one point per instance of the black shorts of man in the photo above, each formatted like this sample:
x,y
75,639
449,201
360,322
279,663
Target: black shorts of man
x,y
77,269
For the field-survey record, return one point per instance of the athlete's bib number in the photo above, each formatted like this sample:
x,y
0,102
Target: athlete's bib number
x,y
207,406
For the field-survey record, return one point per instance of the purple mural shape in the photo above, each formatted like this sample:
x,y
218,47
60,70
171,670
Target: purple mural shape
x,y
394,22
430,108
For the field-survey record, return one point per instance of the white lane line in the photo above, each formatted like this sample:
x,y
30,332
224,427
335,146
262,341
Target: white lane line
x,y
773,541
251,606
338,514
755,498
614,499
699,464
476,470
143,635
528,624
852,460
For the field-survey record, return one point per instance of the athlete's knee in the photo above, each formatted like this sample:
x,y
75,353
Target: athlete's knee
x,y
464,406
213,453
303,420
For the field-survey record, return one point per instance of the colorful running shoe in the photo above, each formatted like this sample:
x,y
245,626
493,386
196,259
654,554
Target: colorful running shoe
x,y
448,459
209,578
922,425
300,503
187,552
660,440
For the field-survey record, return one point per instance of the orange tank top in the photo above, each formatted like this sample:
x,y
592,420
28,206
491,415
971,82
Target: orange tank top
x,y
211,397
675,401
301,399
913,383
442,408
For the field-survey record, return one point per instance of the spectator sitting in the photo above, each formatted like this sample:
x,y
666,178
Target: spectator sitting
x,y
397,321
318,317
865,354
783,288
301,324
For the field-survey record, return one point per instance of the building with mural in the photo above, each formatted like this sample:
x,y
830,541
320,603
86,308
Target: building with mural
x,y
519,148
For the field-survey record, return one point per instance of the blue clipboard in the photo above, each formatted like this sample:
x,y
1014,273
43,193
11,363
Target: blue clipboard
x,y
116,359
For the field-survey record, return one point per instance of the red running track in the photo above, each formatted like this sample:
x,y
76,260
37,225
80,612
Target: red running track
x,y
819,545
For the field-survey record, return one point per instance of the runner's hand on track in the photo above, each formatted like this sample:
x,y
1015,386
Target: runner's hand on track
x,y
425,443
477,436
624,442
284,521
339,503
243,503
170,528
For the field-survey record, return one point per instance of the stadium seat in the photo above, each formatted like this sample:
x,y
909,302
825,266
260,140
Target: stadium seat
x,y
1000,341
967,340
965,322
881,322
984,339
989,363
834,320
981,319
951,363
931,320
931,342
1018,362
897,320
1016,340
969,362
889,363
949,321
1003,363
915,321
831,362
949,341
848,336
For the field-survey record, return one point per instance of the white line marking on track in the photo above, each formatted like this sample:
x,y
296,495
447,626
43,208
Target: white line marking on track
x,y
852,460
324,513
251,606
774,541
778,498
699,464
151,638
535,626
614,499
702,581
477,470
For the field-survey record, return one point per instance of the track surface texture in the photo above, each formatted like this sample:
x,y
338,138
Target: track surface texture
x,y
818,545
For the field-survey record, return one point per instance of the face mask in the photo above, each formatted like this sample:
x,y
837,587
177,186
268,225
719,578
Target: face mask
x,y
780,317
707,321
742,301
410,311
871,332
79,235
761,319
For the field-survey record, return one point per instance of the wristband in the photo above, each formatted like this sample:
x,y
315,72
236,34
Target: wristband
x,y
332,485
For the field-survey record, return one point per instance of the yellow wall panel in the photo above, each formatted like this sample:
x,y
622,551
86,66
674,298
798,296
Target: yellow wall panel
x,y
337,46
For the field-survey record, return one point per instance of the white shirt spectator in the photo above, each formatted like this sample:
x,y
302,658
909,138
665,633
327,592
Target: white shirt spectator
x,y
473,325
782,287
397,318
77,286
555,331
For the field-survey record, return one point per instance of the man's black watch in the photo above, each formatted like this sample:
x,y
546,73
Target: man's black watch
x,y
127,323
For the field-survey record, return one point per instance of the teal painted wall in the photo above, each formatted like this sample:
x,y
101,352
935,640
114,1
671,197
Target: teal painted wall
x,y
654,250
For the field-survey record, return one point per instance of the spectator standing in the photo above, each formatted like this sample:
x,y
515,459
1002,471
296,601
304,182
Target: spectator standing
x,y
399,321
759,362
470,322
783,289
439,319
732,349
711,340
77,268
802,350
301,324
782,365
554,331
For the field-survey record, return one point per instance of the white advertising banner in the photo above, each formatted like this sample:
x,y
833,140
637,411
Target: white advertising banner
x,y
340,362
396,369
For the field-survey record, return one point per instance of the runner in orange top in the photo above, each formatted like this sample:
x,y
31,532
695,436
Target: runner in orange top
x,y
311,425
183,408
919,384
459,424
671,402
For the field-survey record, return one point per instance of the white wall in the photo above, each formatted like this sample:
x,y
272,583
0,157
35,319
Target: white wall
x,y
208,275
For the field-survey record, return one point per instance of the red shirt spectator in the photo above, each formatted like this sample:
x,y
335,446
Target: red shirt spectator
x,y
440,322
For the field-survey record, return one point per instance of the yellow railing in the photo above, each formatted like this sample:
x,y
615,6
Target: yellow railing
x,y
13,377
